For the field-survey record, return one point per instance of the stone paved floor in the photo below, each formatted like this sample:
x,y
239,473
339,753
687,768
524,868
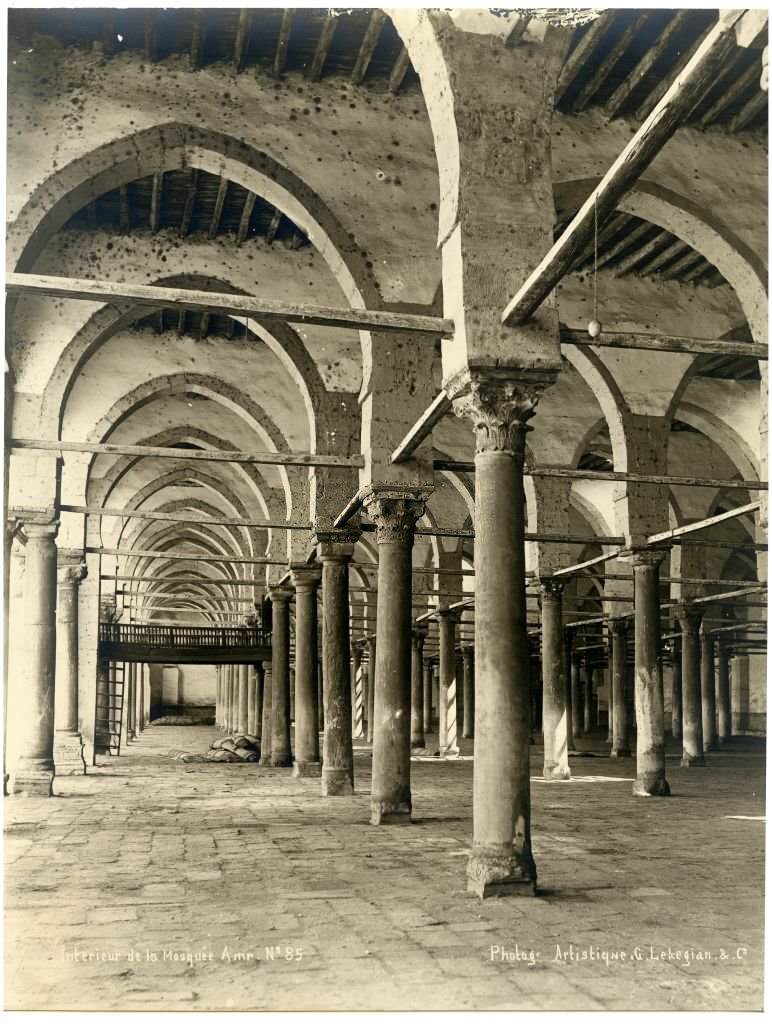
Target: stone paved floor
x,y
149,860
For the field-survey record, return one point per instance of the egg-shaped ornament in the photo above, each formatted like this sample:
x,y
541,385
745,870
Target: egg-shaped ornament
x,y
594,328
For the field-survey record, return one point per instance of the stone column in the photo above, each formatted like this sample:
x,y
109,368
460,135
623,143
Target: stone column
x,y
306,581
693,750
568,643
501,859
266,729
649,697
394,512
292,693
230,704
724,696
468,655
554,717
417,738
251,700
218,696
676,699
129,682
577,697
320,689
448,727
620,724
68,744
371,651
588,698
259,690
242,722
708,683
459,682
335,550
281,753
34,725
427,697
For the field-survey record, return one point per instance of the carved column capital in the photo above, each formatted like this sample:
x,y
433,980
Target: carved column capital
x,y
277,595
498,404
551,587
305,577
689,619
395,510
336,545
71,573
638,557
617,627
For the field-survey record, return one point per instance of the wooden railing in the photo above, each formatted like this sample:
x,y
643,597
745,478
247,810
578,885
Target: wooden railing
x,y
183,636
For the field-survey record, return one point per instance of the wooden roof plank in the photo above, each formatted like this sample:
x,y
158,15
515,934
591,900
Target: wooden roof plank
x,y
369,43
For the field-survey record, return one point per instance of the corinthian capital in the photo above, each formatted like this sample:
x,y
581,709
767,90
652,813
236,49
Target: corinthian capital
x,y
498,404
394,510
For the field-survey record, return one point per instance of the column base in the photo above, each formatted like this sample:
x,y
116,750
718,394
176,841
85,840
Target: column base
x,y
418,743
281,760
651,784
499,871
33,778
307,770
392,812
693,761
68,754
620,752
337,782
712,746
557,772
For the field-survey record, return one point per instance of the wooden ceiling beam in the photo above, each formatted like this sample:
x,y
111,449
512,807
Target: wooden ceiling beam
x,y
369,43
730,95
681,264
624,91
282,43
225,304
150,36
607,255
108,33
575,59
125,219
203,329
645,144
614,224
181,323
664,343
197,39
91,215
322,48
398,72
242,38
750,110
159,322
625,265
190,202
273,227
607,65
246,217
155,201
219,202
517,32
649,102
674,249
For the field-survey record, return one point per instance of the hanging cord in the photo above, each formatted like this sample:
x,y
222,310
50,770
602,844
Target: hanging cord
x,y
595,269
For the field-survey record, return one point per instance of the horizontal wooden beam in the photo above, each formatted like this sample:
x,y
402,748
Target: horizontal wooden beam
x,y
422,428
704,524
197,580
226,304
174,517
569,570
674,107
636,478
192,454
663,343
190,556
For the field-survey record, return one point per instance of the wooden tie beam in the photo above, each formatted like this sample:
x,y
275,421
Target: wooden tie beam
x,y
192,454
173,517
191,556
674,107
224,304
663,343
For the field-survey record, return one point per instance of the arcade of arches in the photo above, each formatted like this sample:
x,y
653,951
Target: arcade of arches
x,y
306,446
